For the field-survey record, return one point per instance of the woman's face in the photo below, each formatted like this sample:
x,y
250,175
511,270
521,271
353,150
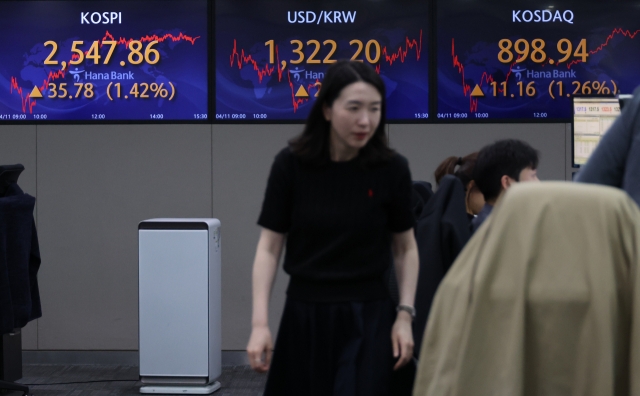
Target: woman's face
x,y
354,117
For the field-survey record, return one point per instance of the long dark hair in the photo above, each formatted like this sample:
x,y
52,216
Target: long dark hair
x,y
312,145
464,171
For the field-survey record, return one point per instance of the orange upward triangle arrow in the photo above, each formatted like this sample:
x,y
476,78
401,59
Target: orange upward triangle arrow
x,y
35,93
477,92
302,93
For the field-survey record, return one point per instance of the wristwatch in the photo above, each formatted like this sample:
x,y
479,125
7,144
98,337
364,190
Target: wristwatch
x,y
407,308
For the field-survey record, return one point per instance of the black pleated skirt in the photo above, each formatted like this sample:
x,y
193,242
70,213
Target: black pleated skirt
x,y
334,349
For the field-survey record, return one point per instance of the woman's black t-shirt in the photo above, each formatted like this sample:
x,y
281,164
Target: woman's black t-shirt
x,y
339,219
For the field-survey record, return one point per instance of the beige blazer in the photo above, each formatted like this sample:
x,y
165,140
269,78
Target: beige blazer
x,y
544,300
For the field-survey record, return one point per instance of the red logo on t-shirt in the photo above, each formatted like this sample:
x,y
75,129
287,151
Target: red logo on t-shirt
x,y
370,193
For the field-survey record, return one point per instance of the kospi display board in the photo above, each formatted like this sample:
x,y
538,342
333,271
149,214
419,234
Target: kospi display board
x,y
524,60
271,56
103,60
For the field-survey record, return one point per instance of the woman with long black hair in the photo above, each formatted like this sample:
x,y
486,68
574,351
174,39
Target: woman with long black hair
x,y
341,198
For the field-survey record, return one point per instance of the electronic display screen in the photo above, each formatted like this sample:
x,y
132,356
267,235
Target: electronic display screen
x,y
592,118
526,60
271,56
103,60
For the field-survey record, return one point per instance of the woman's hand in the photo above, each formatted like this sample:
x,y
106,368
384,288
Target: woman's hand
x,y
260,348
402,339
405,257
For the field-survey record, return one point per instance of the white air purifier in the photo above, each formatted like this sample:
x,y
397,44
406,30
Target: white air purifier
x,y
179,305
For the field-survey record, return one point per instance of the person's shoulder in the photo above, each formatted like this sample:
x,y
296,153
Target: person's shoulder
x,y
285,157
287,162
285,153
395,167
399,159
398,163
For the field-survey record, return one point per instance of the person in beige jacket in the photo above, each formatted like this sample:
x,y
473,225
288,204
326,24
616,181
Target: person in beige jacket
x,y
544,300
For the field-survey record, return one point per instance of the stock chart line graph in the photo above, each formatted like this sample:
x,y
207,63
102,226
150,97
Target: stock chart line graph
x,y
239,58
484,78
401,53
153,37
28,104
616,32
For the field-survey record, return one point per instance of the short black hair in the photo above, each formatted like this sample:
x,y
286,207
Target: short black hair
x,y
504,157
312,145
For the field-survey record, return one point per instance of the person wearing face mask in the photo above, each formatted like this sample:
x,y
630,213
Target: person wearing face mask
x,y
462,168
341,200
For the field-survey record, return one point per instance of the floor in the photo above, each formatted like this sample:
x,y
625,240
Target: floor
x,y
235,380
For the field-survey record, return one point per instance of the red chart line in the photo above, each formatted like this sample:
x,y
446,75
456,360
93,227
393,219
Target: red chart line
x,y
616,32
26,100
488,78
466,88
240,58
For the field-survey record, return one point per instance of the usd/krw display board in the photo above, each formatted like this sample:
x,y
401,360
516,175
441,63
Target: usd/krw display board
x,y
271,56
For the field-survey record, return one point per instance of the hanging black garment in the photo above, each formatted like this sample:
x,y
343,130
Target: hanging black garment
x,y
424,189
420,195
441,232
19,260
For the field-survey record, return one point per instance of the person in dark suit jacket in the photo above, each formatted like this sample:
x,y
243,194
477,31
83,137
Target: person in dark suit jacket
x,y
616,160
